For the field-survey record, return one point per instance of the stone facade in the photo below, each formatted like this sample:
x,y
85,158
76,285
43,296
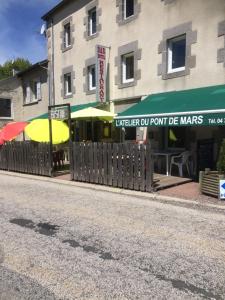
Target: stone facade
x,y
152,24
11,89
14,89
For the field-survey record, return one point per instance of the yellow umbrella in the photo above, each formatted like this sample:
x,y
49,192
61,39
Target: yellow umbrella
x,y
38,131
93,113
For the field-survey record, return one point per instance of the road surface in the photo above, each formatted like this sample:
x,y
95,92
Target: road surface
x,y
65,242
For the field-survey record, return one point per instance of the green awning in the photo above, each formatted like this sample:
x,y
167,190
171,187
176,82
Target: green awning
x,y
74,108
195,107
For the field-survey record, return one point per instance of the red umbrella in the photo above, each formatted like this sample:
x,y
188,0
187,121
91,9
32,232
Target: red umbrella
x,y
1,139
12,130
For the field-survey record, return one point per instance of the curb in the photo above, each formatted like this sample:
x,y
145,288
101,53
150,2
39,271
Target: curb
x,y
103,188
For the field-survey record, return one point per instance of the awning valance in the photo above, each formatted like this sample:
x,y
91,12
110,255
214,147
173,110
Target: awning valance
x,y
195,107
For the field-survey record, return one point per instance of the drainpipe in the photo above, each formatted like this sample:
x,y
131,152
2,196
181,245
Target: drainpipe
x,y
51,73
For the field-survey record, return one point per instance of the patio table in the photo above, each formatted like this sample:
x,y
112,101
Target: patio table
x,y
167,154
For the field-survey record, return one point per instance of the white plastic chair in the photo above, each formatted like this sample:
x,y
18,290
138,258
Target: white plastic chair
x,y
180,161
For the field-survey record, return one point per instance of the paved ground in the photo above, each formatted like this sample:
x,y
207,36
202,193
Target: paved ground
x,y
65,242
190,191
187,191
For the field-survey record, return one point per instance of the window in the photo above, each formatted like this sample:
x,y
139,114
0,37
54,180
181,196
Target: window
x,y
176,54
91,78
130,134
92,22
128,8
36,90
107,130
176,137
67,35
27,94
67,84
5,109
128,68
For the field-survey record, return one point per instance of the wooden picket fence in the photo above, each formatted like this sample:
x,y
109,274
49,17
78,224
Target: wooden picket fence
x,y
122,165
26,157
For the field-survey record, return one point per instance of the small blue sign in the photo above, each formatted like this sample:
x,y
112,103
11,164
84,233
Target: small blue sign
x,y
222,189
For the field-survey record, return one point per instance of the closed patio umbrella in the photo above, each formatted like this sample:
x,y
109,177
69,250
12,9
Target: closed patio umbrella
x,y
38,131
11,130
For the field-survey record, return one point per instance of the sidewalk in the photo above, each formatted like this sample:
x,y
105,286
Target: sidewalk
x,y
186,191
190,191
185,194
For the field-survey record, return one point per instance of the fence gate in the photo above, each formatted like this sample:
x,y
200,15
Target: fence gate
x,y
26,157
122,165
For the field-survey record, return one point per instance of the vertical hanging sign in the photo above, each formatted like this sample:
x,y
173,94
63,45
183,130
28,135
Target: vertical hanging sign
x,y
101,73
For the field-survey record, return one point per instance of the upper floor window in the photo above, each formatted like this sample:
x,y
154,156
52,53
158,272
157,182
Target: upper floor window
x,y
128,67
128,11
32,91
91,78
37,90
67,35
92,22
27,94
176,54
128,8
67,84
5,109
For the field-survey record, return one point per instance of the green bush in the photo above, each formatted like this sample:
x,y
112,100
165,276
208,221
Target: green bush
x,y
221,160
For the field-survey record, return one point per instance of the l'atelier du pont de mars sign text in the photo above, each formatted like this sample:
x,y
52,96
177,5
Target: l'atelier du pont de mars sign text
x,y
186,120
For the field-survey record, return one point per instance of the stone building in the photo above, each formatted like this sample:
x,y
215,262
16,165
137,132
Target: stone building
x,y
25,95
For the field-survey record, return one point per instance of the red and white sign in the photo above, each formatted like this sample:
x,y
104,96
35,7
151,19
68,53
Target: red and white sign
x,y
101,70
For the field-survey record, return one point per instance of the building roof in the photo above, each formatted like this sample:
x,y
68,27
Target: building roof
x,y
54,9
36,65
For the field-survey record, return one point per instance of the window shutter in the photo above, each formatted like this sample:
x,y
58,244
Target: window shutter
x,y
123,9
28,94
39,90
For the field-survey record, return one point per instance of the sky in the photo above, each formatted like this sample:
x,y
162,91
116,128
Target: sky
x,y
20,24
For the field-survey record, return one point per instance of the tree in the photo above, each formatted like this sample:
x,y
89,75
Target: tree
x,y
18,64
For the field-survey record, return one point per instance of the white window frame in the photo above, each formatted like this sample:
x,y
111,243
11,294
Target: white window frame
x,y
90,21
67,36
11,110
124,69
125,17
38,96
91,87
66,84
170,69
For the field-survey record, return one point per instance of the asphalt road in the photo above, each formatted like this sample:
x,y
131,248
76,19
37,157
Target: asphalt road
x,y
64,242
